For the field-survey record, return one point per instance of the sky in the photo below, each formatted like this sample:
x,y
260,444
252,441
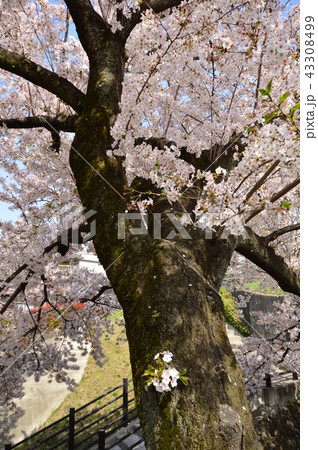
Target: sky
x,y
6,214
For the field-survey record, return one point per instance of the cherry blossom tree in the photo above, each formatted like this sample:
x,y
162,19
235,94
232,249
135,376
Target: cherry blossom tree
x,y
186,112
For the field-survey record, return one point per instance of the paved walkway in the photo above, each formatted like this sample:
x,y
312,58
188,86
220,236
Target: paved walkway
x,y
40,400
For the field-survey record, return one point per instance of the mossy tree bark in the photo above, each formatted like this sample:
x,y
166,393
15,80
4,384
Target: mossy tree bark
x,y
171,303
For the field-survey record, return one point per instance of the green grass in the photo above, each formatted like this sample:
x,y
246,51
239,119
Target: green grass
x,y
253,286
231,313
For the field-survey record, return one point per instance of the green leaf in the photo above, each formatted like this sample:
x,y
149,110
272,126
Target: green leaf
x,y
294,109
286,204
159,362
297,106
283,97
263,92
157,164
269,86
149,372
184,380
156,315
270,116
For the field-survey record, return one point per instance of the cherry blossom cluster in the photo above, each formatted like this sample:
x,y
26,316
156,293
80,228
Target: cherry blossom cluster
x,y
191,103
162,376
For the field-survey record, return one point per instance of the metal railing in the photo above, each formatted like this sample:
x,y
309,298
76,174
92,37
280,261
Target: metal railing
x,y
80,429
71,433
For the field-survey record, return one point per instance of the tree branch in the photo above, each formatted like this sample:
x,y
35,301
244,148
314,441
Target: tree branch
x,y
261,181
13,296
56,141
36,74
159,5
273,199
204,162
12,276
255,249
271,237
58,123
92,30
96,296
251,173
156,5
61,248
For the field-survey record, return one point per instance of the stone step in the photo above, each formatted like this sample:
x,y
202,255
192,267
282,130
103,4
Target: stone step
x,y
236,341
126,443
234,336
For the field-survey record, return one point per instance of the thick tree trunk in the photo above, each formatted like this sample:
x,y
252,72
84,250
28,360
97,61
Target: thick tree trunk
x,y
168,291
168,306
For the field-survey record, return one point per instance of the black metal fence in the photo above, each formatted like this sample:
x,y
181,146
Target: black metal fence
x,y
83,428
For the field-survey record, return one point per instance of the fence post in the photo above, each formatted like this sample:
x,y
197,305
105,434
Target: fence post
x,y
101,439
125,399
71,429
7,446
268,379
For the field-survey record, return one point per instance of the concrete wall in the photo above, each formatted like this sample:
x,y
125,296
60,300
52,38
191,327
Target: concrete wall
x,y
257,302
276,416
91,262
281,394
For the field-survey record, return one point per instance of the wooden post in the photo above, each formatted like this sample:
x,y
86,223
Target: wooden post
x,y
125,399
71,429
101,439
